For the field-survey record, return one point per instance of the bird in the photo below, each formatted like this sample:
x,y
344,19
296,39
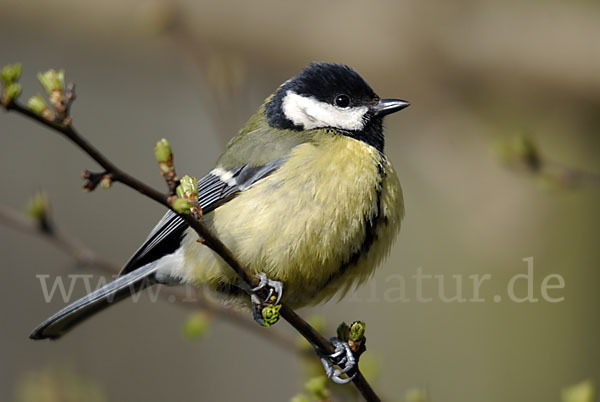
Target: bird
x,y
303,196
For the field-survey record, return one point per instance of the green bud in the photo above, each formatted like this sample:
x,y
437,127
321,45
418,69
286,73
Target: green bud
x,y
11,91
11,73
188,188
196,326
162,151
270,314
523,145
182,206
106,182
37,104
52,80
317,387
526,150
585,391
357,331
37,207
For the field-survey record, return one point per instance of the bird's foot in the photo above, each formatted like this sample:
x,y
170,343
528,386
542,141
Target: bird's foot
x,y
343,357
266,313
275,288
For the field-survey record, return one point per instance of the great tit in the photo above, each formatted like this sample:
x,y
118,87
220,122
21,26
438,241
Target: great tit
x,y
302,195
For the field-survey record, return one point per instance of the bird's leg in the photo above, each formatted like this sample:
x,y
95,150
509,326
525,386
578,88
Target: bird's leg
x,y
266,313
343,357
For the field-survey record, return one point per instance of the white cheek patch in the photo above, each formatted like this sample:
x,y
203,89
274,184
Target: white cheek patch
x,y
311,113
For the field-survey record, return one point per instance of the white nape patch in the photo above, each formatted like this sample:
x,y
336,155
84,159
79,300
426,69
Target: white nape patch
x,y
225,176
311,113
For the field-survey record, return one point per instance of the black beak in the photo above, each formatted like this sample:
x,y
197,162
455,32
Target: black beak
x,y
387,106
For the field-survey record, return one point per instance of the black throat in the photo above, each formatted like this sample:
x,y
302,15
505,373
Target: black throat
x,y
372,134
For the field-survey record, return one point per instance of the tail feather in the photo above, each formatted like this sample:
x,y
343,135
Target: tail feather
x,y
119,289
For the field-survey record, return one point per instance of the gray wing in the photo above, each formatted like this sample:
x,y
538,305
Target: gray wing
x,y
214,190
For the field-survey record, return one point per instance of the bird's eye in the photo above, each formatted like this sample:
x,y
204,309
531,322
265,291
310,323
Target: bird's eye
x,y
342,100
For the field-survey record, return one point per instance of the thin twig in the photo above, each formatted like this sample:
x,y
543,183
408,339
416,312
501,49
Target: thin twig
x,y
304,328
80,253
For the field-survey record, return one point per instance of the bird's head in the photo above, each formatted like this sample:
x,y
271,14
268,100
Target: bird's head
x,y
331,96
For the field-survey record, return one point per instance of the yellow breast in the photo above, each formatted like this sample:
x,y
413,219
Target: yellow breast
x,y
323,221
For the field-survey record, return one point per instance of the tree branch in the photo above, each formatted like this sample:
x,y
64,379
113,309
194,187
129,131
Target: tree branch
x,y
116,174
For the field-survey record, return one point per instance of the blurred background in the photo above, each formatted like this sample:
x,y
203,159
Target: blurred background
x,y
496,156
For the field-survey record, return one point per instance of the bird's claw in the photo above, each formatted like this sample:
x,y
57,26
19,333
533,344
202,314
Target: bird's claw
x,y
275,288
342,357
